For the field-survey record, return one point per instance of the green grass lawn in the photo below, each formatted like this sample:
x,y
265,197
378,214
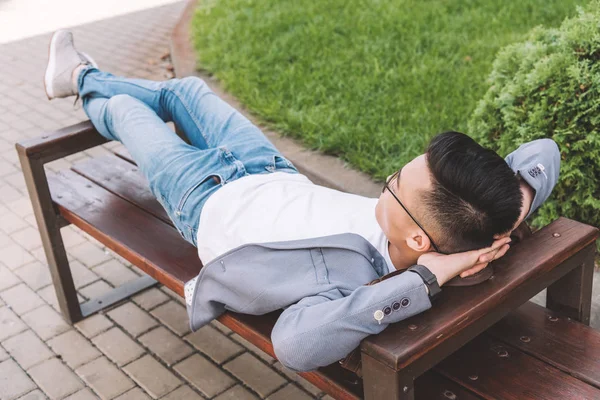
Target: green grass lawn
x,y
369,81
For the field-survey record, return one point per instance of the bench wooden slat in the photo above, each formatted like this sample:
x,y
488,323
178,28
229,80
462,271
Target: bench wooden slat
x,y
529,265
147,242
62,142
121,152
434,386
123,179
566,344
495,370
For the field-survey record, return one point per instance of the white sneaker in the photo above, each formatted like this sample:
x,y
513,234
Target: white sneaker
x,y
63,59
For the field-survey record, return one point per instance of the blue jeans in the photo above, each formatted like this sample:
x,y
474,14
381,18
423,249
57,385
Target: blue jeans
x,y
225,145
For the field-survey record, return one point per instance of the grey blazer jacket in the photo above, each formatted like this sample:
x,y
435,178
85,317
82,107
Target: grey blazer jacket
x,y
320,282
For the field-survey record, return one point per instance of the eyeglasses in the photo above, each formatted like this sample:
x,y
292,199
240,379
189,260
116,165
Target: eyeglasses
x,y
386,186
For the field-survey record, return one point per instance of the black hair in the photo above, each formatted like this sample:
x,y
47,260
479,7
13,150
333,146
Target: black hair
x,y
475,194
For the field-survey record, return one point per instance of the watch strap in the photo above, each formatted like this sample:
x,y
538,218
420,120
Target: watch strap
x,y
428,278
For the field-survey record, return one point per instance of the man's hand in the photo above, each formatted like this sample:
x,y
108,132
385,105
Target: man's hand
x,y
446,267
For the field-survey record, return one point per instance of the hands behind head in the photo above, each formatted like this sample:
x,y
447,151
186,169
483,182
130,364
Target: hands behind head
x,y
446,267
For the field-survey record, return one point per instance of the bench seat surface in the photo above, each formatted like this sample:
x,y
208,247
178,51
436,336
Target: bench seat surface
x,y
109,199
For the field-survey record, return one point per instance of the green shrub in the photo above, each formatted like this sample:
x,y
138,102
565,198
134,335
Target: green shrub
x,y
549,86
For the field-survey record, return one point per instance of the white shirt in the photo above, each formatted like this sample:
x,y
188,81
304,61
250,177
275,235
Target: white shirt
x,y
279,207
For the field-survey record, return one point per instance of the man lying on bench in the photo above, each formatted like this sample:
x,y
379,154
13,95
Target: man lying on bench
x,y
270,239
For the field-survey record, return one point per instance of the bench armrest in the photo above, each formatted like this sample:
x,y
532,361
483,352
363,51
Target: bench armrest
x,y
61,143
460,314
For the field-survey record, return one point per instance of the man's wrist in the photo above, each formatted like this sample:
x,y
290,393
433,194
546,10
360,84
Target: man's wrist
x,y
429,279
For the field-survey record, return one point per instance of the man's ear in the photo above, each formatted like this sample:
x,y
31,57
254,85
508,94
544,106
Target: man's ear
x,y
418,241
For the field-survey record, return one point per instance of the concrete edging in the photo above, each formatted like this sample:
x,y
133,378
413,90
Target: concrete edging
x,y
320,168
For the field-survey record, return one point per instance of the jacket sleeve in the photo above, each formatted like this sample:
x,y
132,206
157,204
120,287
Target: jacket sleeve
x,y
320,330
538,163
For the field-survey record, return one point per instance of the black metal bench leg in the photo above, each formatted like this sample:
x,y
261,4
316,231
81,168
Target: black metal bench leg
x,y
49,224
572,294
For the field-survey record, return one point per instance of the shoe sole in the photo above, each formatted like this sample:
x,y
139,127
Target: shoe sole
x,y
50,69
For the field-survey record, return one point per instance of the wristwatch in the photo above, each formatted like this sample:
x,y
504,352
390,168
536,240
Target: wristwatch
x,y
429,279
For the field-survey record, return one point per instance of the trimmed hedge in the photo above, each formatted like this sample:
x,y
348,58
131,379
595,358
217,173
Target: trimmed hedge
x,y
548,86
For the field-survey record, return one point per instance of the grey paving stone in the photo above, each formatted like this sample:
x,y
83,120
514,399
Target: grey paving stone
x,y
134,394
17,181
167,346
40,255
74,349
309,387
7,278
5,240
255,350
14,256
255,374
152,376
21,298
89,254
52,371
290,392
214,344
132,318
48,293
27,349
237,393
182,393
6,168
28,238
82,275
3,354
203,375
150,298
84,394
95,289
174,316
71,237
45,322
221,327
36,275
13,381
12,223
21,208
104,378
173,295
34,395
94,325
8,194
118,347
10,324
115,272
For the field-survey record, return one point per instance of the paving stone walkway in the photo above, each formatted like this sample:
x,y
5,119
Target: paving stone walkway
x,y
142,348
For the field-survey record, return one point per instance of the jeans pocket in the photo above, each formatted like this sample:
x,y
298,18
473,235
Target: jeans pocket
x,y
205,185
279,162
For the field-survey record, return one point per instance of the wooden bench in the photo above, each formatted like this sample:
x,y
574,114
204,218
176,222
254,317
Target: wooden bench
x,y
484,341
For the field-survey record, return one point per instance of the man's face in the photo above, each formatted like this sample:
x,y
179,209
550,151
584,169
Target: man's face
x,y
414,178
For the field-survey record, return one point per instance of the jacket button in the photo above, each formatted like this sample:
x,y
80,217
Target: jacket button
x,y
396,306
387,310
405,302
